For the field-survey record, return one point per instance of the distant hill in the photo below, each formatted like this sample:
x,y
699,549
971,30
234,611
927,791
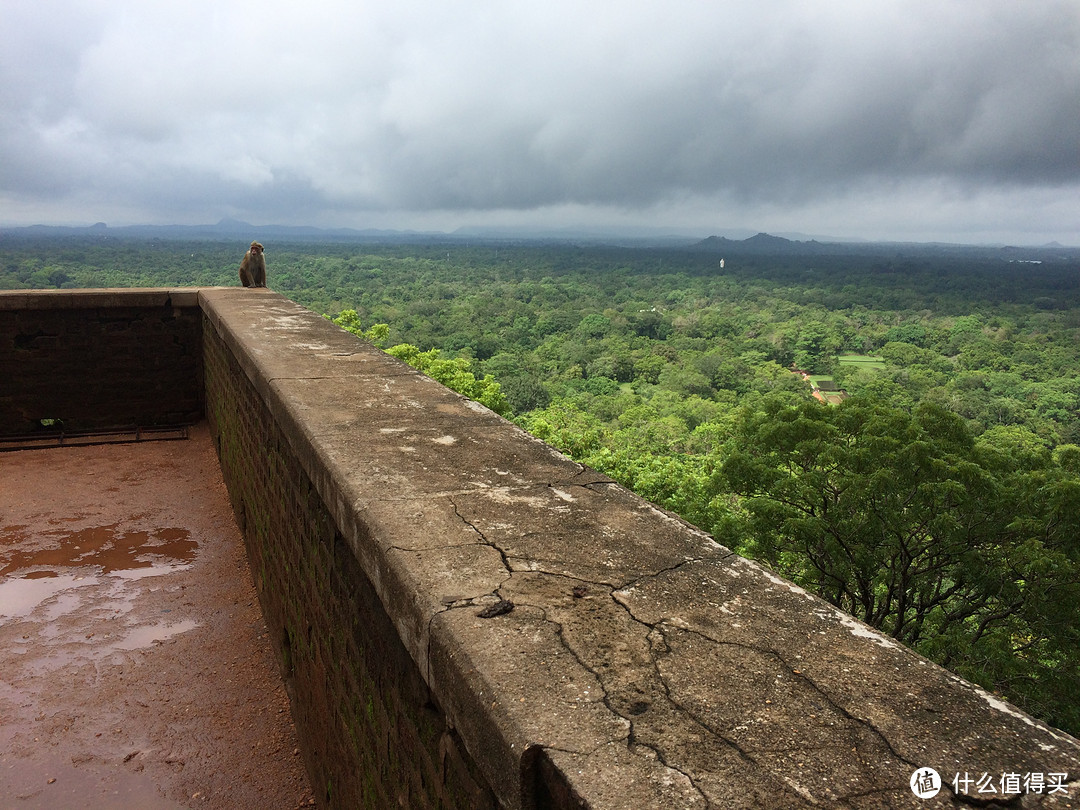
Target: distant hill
x,y
760,244
764,244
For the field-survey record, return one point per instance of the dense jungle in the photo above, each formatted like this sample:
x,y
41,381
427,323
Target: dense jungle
x,y
893,427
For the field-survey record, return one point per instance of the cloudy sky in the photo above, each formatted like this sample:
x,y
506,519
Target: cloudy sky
x,y
952,120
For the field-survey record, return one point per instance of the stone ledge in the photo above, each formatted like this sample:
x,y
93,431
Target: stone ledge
x,y
100,298
643,662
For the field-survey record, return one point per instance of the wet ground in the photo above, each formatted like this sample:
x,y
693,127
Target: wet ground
x,y
135,670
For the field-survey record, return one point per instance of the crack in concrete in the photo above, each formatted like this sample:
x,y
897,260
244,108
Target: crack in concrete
x,y
796,673
659,630
657,633
679,706
654,574
588,753
606,698
469,601
483,539
458,604
629,738
272,380
585,477
450,493
656,629
507,558
866,723
585,483
433,548
562,574
633,743
655,637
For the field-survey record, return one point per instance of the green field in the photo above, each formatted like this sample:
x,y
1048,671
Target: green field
x,y
825,383
861,360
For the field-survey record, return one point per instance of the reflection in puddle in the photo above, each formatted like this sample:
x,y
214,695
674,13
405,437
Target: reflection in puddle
x,y
147,634
102,547
124,555
19,597
77,586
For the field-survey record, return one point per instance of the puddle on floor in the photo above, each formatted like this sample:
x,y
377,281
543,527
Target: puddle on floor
x,y
71,560
102,547
78,586
20,596
146,635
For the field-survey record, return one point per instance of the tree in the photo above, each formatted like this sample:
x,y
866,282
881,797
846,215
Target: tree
x,y
903,520
455,373
350,322
874,509
815,347
524,392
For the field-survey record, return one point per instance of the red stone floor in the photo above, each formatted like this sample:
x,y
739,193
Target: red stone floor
x,y
135,669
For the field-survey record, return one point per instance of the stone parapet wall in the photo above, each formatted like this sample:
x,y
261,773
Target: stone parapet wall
x,y
99,359
391,524
371,730
642,665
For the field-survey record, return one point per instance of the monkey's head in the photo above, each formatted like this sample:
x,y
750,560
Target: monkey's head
x,y
256,247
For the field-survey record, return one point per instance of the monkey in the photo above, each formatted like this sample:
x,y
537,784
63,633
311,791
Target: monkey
x,y
253,268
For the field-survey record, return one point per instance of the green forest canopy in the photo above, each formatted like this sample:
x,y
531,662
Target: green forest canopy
x,y
939,502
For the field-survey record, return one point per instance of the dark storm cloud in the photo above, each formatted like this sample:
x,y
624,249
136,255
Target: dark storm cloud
x,y
682,111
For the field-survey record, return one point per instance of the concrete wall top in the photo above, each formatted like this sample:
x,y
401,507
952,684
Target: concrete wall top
x,y
102,298
649,664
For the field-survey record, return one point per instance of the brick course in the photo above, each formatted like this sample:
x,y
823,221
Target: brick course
x,y
100,367
372,732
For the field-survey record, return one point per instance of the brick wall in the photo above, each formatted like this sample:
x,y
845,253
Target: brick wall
x,y
372,732
99,361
